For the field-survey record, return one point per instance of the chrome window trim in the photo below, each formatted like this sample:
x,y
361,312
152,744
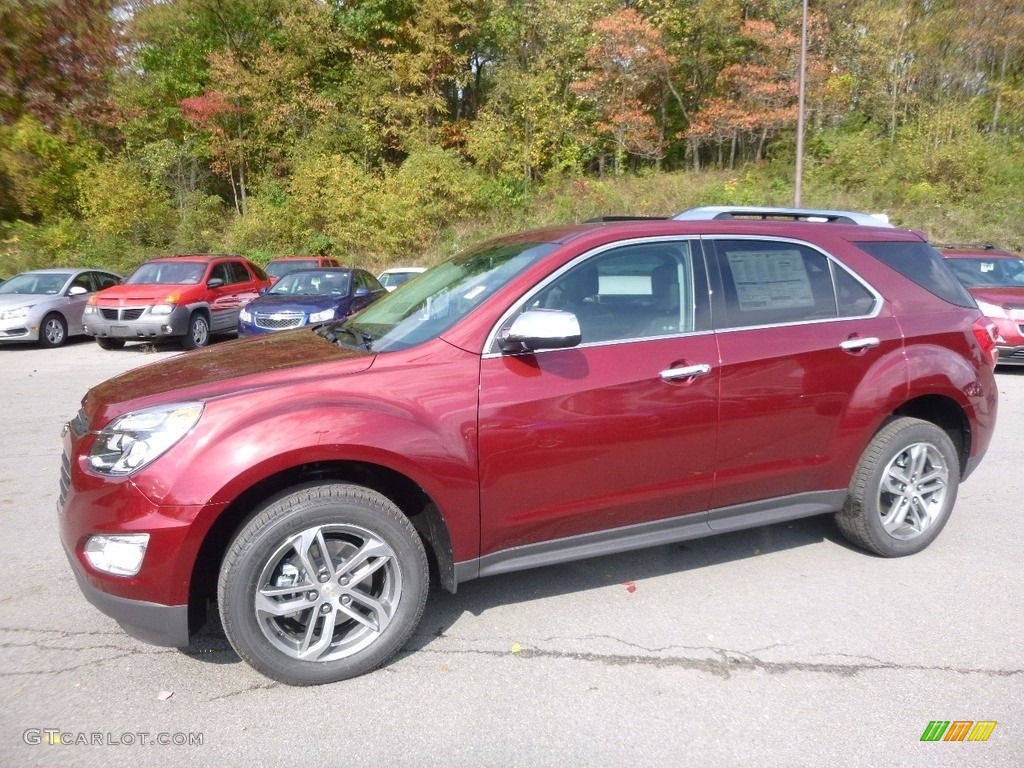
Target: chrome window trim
x,y
833,262
490,345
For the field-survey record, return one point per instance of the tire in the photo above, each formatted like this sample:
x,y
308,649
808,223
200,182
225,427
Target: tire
x,y
108,343
903,490
198,334
275,611
53,331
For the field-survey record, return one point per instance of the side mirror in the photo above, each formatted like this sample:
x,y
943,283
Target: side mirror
x,y
77,290
541,329
362,290
215,282
262,291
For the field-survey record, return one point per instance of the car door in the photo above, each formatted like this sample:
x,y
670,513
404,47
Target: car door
x,y
797,333
618,432
77,294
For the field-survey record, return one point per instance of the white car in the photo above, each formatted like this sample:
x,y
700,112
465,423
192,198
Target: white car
x,y
45,305
394,277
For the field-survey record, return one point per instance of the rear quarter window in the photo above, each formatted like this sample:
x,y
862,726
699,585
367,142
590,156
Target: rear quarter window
x,y
924,265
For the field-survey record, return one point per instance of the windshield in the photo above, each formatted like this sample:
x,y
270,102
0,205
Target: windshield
x,y
391,279
312,283
437,299
167,273
989,273
36,283
279,268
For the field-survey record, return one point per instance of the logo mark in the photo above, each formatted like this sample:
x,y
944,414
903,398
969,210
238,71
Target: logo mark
x,y
958,730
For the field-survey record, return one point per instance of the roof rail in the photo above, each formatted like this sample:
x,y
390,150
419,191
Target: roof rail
x,y
724,212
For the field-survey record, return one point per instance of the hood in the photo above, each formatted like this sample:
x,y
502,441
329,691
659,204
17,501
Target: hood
x,y
268,302
1000,295
229,367
136,294
22,299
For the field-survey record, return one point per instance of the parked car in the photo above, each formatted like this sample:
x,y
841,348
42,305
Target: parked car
x,y
308,297
995,279
281,266
394,277
187,297
45,305
552,395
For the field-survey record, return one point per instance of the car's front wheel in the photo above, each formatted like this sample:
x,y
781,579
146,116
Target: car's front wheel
x,y
903,489
198,334
54,331
323,584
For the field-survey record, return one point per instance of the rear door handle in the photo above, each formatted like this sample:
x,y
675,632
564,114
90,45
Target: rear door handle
x,y
852,345
686,372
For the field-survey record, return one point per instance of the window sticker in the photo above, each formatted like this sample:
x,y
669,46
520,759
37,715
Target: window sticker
x,y
770,280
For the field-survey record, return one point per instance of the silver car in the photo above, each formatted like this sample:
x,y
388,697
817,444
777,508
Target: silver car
x,y
45,305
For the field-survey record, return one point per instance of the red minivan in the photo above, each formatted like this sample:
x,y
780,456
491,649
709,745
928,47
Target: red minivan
x,y
552,395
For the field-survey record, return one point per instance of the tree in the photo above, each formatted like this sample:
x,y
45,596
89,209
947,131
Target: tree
x,y
627,64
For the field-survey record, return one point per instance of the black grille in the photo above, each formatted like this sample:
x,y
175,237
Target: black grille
x,y
279,321
122,314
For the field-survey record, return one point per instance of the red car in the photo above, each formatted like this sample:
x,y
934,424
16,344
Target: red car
x,y
178,297
995,279
548,396
281,266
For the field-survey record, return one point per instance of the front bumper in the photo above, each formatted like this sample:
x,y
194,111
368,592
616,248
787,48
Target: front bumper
x,y
152,605
152,623
112,322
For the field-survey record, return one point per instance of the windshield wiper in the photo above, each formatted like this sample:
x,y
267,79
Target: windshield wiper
x,y
332,331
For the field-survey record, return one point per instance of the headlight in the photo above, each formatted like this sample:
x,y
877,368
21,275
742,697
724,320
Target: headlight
x,y
14,314
245,316
134,440
161,309
320,317
992,310
89,310
120,554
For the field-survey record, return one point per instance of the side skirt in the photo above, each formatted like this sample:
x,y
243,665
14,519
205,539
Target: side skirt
x,y
692,526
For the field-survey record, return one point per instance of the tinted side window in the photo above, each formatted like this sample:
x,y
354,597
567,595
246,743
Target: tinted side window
x,y
220,271
924,265
104,281
237,272
84,280
632,292
852,298
768,282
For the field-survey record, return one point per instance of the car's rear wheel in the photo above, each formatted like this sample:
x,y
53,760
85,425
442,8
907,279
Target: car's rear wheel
x,y
108,343
903,490
323,584
53,331
198,334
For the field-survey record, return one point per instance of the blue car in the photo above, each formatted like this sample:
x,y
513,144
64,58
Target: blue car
x,y
309,297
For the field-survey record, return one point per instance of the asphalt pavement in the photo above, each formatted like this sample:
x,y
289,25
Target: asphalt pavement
x,y
782,646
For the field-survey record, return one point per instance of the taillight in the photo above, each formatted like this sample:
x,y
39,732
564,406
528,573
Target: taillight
x,y
987,334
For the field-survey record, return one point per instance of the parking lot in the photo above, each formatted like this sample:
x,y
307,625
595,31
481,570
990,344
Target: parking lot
x,y
781,646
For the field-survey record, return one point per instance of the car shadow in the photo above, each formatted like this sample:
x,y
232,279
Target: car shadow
x,y
443,609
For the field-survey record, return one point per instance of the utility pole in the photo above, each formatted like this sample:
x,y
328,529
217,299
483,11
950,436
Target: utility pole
x,y
798,187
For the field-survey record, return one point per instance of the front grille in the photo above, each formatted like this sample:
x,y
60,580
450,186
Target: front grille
x,y
278,321
133,313
65,478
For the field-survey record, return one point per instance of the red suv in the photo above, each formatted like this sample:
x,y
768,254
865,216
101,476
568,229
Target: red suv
x,y
281,266
995,278
553,395
185,297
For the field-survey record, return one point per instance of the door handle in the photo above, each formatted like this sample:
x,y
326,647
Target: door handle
x,y
852,345
686,371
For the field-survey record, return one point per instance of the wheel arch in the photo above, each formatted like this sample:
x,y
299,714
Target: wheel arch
x,y
945,413
405,493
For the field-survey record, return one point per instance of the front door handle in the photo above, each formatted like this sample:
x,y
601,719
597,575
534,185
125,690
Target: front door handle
x,y
686,371
852,345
